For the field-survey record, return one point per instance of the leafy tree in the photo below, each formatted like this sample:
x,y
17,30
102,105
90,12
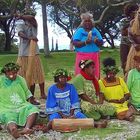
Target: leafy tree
x,y
8,8
107,13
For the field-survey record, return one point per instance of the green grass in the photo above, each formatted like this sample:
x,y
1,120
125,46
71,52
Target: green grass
x,y
100,132
60,60
66,60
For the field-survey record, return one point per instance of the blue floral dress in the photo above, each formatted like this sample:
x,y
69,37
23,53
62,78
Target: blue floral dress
x,y
63,100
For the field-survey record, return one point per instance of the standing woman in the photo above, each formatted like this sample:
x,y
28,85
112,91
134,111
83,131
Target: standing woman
x,y
134,35
129,11
87,40
28,33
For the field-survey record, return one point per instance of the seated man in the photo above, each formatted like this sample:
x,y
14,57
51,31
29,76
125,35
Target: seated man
x,y
115,91
62,100
15,110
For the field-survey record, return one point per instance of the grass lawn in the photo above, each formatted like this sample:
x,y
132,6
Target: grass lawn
x,y
66,60
60,60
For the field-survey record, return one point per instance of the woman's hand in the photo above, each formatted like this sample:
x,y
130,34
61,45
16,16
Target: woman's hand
x,y
64,116
101,98
122,100
98,42
137,48
72,117
33,38
88,41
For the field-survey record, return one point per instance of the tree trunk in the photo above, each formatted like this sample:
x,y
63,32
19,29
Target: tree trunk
x,y
112,41
7,44
45,29
7,40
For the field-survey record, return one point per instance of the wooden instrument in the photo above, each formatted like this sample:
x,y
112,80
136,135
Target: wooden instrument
x,y
70,125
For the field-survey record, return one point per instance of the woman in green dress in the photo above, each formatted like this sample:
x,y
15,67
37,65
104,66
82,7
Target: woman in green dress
x,y
133,83
15,110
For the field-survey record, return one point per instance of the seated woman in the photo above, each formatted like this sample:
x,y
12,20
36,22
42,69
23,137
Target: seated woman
x,y
15,110
62,100
115,90
91,102
133,82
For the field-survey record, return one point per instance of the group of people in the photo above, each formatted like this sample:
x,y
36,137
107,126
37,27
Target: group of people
x,y
86,95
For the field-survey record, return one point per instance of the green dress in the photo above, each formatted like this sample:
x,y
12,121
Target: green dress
x,y
92,111
13,101
133,82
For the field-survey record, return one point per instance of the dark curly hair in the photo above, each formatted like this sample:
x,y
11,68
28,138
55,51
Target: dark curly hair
x,y
129,8
109,62
110,65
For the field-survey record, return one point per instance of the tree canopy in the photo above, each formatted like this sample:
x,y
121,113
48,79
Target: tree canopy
x,y
107,14
66,14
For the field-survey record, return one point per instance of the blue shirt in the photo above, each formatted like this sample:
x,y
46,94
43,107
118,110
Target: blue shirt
x,y
81,35
62,100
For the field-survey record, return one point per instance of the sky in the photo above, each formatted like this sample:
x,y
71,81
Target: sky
x,y
63,40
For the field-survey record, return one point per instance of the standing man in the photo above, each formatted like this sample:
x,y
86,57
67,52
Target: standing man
x,y
28,55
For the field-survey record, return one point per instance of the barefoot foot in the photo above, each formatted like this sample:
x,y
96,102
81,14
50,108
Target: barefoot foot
x,y
100,124
15,133
43,97
26,131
